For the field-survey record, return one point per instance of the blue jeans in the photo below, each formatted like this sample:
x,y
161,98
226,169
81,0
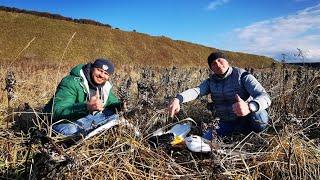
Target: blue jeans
x,y
255,122
85,124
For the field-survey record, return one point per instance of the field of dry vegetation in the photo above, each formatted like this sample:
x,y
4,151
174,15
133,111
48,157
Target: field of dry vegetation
x,y
288,149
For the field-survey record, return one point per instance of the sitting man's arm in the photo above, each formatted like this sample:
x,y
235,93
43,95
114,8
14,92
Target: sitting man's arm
x,y
188,95
261,99
65,106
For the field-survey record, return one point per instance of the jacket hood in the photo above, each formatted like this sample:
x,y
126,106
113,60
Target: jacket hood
x,y
76,70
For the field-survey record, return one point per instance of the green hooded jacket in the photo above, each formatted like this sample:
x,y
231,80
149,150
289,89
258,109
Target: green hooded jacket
x,y
72,94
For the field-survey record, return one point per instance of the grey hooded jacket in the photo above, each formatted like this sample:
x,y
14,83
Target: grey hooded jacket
x,y
224,90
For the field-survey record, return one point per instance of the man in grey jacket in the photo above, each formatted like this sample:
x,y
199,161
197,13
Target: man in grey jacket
x,y
239,99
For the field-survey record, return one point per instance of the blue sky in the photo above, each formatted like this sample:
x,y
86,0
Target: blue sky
x,y
264,27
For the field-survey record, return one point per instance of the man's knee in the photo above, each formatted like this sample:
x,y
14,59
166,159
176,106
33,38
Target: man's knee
x,y
226,128
113,117
259,120
102,119
66,129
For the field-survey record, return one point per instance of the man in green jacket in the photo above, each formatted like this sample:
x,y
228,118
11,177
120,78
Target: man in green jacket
x,y
84,98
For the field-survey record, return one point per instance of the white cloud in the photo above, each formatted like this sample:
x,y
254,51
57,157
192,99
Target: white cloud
x,y
214,4
282,35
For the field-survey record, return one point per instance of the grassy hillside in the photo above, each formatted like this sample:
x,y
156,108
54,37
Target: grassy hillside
x,y
91,41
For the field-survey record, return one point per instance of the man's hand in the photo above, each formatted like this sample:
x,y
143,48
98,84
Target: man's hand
x,y
240,107
174,107
95,103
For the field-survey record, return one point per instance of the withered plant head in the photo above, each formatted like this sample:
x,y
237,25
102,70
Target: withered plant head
x,y
10,84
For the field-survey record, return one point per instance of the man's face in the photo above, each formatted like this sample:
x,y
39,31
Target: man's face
x,y
99,76
219,66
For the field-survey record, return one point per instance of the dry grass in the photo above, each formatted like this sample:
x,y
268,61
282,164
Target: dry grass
x,y
289,149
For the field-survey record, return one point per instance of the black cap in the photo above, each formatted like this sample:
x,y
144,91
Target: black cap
x,y
104,64
214,56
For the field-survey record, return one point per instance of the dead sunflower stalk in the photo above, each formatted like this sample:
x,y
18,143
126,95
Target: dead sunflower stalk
x,y
10,85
